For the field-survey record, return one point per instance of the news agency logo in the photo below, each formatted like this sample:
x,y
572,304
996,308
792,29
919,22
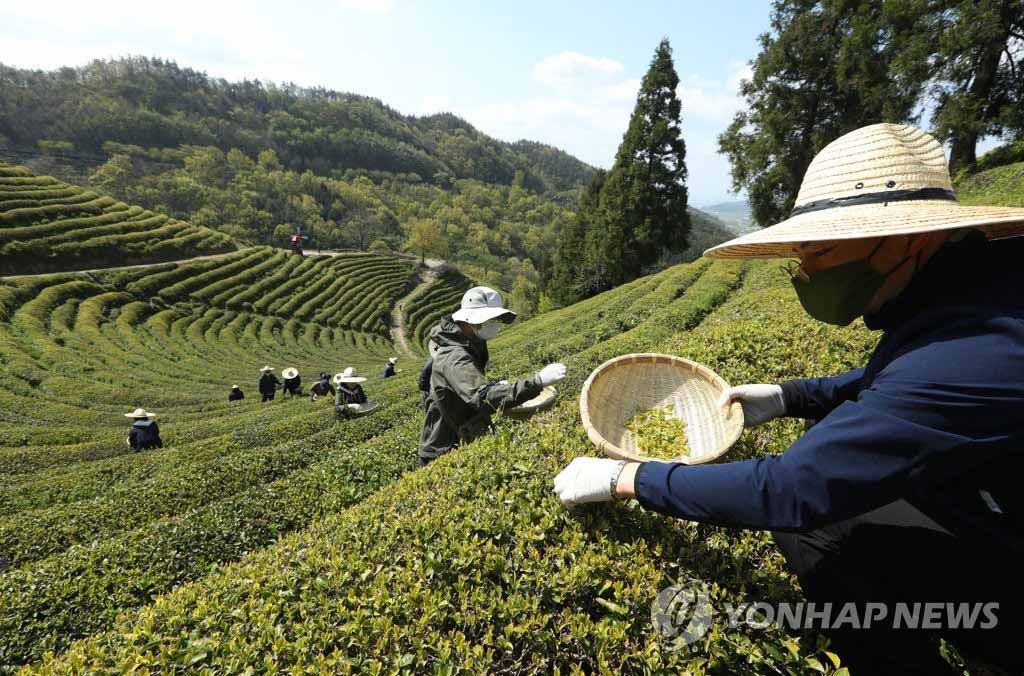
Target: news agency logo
x,y
682,613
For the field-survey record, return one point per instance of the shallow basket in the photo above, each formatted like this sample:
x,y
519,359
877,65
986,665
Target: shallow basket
x,y
362,409
622,387
544,400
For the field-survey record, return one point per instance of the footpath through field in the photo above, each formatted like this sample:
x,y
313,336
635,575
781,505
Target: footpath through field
x,y
398,333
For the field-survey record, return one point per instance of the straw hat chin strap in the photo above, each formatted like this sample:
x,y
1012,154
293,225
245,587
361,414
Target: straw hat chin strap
x,y
877,198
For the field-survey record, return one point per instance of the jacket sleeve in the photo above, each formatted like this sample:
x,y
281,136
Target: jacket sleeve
x,y
815,398
911,429
470,385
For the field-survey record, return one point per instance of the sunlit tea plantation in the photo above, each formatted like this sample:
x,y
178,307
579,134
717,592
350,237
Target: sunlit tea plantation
x,y
276,537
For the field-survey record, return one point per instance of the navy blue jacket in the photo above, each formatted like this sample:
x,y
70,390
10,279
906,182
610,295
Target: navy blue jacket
x,y
936,417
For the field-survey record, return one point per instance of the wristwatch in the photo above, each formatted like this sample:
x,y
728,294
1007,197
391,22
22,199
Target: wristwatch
x,y
615,479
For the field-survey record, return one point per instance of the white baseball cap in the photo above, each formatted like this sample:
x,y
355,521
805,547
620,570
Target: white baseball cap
x,y
482,304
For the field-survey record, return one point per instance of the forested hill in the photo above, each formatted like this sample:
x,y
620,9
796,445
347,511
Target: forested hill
x,y
153,103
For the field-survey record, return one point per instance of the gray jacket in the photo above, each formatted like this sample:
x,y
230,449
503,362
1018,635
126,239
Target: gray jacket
x,y
461,399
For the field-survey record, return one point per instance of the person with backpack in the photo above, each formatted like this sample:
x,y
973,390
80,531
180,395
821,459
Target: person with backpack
x,y
321,388
268,383
144,432
461,400
292,385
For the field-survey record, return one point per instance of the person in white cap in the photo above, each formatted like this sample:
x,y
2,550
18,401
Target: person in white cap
x,y
144,432
461,400
389,368
907,492
268,383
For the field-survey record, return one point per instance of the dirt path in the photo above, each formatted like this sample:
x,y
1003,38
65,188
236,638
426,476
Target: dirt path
x,y
398,333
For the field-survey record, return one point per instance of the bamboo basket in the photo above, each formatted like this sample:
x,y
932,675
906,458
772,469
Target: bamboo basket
x,y
621,387
544,400
362,409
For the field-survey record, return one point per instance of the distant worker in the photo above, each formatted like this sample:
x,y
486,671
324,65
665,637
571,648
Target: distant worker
x,y
144,432
424,382
292,385
461,400
321,388
389,369
268,383
236,394
350,391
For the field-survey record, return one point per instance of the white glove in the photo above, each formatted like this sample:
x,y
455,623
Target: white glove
x,y
760,403
550,374
587,480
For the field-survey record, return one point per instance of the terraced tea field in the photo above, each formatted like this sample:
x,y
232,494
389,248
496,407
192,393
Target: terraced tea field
x,y
47,225
273,536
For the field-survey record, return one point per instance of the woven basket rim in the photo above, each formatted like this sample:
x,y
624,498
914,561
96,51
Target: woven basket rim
x,y
610,449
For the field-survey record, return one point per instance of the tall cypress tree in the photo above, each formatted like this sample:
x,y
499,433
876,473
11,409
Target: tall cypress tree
x,y
644,197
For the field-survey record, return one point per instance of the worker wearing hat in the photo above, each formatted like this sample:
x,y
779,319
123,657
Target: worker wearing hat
x,y
461,400
236,393
292,385
389,368
907,490
144,432
268,383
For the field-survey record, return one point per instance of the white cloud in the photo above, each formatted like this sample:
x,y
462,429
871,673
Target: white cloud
x,y
368,6
429,105
570,69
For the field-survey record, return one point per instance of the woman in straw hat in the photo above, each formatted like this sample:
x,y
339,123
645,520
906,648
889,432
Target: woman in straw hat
x,y
906,491
461,399
389,368
144,432
268,383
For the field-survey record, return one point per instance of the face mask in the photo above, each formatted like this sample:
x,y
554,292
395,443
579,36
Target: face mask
x,y
839,294
488,330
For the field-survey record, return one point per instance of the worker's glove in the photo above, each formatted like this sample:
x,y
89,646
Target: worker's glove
x,y
760,403
587,480
550,374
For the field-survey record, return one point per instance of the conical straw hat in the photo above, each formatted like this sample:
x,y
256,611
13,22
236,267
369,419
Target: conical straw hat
x,y
878,181
140,413
290,372
349,375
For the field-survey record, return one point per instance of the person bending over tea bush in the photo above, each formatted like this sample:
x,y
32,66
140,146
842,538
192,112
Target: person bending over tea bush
x,y
461,400
906,491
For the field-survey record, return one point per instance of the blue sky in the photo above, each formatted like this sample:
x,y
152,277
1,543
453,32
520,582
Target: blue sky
x,y
564,73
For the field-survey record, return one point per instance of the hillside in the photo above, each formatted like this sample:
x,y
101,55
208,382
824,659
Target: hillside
x,y
47,225
475,545
999,186
109,106
735,214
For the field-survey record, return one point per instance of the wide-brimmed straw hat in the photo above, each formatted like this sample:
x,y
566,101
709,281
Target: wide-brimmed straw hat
x,y
140,413
878,181
266,368
290,372
349,375
482,304
393,360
